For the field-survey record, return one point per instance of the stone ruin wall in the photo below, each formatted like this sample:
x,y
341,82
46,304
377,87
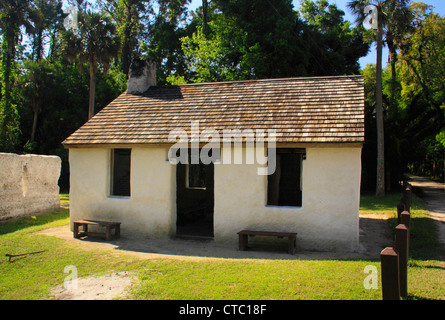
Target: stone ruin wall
x,y
28,185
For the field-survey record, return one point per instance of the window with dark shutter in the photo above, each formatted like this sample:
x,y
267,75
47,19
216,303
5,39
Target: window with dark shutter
x,y
120,172
284,186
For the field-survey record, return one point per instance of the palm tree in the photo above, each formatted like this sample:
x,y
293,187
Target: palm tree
x,y
389,14
37,78
129,16
48,14
94,43
13,15
399,23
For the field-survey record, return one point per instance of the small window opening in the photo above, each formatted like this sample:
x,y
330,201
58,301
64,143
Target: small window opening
x,y
284,186
195,171
121,167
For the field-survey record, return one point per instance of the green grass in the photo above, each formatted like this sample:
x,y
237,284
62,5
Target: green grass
x,y
33,276
64,198
423,231
381,205
255,279
426,267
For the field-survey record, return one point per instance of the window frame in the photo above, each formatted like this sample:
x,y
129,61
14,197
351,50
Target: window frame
x,y
187,171
112,175
302,153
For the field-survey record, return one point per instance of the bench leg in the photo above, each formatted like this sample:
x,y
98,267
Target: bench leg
x,y
243,239
292,245
117,231
76,230
107,233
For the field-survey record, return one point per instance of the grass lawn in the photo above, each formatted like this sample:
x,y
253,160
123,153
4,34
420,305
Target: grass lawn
x,y
32,277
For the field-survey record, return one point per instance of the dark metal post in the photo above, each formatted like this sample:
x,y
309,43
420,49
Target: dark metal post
x,y
390,274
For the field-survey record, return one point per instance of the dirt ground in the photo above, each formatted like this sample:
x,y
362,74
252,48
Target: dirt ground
x,y
374,237
95,288
433,195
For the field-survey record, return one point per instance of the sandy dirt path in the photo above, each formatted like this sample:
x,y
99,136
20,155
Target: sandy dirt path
x,y
433,195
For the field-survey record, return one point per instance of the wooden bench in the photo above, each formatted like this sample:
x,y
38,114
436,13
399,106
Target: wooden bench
x,y
108,227
243,237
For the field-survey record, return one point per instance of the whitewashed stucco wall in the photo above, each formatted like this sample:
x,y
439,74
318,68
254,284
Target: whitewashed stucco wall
x,y
28,184
327,220
151,209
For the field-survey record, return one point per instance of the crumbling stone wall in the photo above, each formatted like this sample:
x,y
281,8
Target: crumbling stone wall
x,y
28,184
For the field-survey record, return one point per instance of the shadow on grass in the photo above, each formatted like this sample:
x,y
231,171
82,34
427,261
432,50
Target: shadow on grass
x,y
424,244
377,204
415,297
413,264
33,221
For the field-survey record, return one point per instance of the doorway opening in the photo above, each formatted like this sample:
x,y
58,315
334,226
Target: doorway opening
x,y
195,200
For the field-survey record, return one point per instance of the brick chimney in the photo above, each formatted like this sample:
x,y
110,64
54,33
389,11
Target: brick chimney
x,y
142,76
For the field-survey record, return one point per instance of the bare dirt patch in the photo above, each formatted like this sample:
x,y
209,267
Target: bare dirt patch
x,y
375,234
95,288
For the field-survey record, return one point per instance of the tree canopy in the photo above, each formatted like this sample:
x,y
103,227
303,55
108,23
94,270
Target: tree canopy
x,y
53,79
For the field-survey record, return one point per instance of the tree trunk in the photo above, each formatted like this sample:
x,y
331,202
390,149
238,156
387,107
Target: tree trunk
x,y
393,59
39,44
380,186
92,91
126,43
34,125
205,26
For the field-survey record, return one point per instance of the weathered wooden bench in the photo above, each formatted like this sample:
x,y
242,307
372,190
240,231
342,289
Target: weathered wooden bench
x,y
243,237
107,224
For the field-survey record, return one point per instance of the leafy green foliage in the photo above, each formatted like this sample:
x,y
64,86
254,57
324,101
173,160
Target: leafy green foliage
x,y
269,39
45,82
335,43
415,112
13,15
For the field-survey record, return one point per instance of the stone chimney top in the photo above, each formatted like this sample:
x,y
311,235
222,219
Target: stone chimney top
x,y
142,76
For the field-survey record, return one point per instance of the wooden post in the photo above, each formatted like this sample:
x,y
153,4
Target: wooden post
x,y
400,209
408,193
406,199
407,203
405,219
390,274
401,246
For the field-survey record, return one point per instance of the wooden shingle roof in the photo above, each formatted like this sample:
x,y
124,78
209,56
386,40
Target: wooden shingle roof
x,y
301,110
